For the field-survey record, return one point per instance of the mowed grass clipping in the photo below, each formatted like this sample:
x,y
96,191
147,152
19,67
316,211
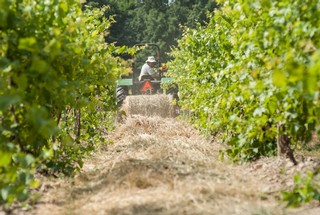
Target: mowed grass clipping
x,y
161,165
149,105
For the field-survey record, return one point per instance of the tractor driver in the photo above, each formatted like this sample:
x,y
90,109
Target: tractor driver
x,y
147,70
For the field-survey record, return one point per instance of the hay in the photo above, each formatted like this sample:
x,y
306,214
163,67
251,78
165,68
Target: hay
x,y
149,105
163,166
159,166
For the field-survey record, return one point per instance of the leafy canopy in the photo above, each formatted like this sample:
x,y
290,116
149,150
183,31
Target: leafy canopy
x,y
255,66
56,71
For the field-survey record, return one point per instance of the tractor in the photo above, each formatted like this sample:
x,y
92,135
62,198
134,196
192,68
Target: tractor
x,y
131,85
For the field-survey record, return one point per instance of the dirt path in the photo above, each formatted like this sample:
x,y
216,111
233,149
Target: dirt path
x,y
163,166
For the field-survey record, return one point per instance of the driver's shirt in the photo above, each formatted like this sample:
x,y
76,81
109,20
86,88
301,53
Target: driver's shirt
x,y
146,70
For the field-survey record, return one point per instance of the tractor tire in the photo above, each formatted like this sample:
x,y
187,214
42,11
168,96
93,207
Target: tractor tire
x,y
174,92
122,93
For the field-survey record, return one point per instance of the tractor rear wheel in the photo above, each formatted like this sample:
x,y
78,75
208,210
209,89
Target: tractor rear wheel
x,y
174,92
122,93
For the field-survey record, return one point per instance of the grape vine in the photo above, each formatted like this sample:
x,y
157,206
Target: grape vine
x,y
57,78
252,69
252,76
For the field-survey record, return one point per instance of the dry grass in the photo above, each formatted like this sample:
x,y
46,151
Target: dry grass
x,y
160,166
149,105
163,166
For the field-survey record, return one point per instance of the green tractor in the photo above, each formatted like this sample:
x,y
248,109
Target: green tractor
x,y
145,85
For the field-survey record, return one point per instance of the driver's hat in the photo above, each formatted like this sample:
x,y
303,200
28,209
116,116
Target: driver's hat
x,y
151,60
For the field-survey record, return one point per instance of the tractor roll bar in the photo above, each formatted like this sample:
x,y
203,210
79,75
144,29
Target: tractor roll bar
x,y
155,45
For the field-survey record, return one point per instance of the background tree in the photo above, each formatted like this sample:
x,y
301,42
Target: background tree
x,y
153,21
